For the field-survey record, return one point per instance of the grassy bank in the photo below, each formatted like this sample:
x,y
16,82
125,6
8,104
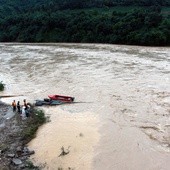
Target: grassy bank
x,y
36,119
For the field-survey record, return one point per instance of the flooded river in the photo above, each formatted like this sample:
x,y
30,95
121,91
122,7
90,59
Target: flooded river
x,y
123,119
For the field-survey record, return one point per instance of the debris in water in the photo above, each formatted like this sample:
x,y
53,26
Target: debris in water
x,y
63,153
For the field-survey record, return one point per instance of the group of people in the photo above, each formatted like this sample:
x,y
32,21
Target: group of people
x,y
24,110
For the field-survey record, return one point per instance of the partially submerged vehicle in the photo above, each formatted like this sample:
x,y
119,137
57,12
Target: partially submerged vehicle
x,y
54,100
47,102
61,98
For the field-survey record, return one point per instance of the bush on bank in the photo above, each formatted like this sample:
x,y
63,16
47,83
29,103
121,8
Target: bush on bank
x,y
37,118
2,86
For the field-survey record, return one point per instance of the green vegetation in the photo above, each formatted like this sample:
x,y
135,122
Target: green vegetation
x,y
31,166
37,119
18,6
2,86
98,21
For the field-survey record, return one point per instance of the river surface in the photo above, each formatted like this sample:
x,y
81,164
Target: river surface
x,y
123,119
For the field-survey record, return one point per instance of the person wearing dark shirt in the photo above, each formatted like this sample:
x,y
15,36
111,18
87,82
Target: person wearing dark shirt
x,y
18,107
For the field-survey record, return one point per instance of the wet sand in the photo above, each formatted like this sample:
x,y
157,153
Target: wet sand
x,y
125,120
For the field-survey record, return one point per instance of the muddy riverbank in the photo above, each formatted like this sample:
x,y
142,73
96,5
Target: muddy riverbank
x,y
14,135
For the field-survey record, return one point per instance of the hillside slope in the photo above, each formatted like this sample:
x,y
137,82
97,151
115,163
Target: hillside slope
x,y
83,21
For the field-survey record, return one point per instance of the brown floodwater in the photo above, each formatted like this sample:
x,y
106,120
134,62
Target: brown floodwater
x,y
123,119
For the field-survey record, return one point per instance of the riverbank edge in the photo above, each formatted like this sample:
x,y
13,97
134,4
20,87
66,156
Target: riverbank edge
x,y
15,134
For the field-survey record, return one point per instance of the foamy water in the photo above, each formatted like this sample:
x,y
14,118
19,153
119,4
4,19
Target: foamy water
x,y
124,120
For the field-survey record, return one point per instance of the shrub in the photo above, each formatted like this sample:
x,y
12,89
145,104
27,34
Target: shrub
x,y
37,118
2,86
30,166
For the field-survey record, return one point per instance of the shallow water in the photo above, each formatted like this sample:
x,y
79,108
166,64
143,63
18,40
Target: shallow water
x,y
124,120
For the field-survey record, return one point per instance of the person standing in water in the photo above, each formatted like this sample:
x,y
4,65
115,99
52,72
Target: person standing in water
x,y
18,107
14,106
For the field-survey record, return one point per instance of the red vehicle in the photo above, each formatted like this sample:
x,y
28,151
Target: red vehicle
x,y
61,98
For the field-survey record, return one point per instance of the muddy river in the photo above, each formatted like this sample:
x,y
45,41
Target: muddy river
x,y
123,119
